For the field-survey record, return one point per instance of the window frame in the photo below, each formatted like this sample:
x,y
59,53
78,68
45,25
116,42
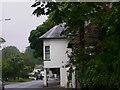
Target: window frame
x,y
47,53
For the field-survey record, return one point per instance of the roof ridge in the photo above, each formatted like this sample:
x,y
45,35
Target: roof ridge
x,y
54,32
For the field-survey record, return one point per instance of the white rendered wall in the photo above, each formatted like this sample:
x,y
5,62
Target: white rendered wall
x,y
58,56
63,77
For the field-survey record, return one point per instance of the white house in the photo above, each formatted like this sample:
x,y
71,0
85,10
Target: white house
x,y
37,70
55,56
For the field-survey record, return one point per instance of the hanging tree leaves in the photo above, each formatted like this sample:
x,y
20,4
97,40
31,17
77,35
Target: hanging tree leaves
x,y
96,44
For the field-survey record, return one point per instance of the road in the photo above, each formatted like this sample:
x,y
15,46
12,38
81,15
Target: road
x,y
34,85
30,84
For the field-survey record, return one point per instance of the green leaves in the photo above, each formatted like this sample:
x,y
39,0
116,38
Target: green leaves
x,y
102,68
16,64
35,42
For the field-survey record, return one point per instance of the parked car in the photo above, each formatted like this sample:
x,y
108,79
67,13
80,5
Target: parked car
x,y
39,76
2,85
32,77
42,73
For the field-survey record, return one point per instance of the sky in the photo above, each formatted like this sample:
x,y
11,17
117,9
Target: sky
x,y
17,30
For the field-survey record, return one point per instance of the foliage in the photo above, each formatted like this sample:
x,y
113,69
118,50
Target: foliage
x,y
8,57
9,52
35,42
18,80
101,68
16,64
29,54
108,57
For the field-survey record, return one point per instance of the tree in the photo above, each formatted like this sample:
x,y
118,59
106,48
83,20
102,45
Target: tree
x,y
35,42
105,16
28,61
74,15
9,52
8,55
108,57
17,64
29,52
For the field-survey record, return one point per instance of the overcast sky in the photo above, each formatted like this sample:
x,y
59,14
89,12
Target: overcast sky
x,y
17,30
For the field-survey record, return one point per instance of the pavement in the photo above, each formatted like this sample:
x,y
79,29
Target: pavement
x,y
55,85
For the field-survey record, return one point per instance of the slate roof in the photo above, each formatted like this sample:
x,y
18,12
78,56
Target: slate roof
x,y
39,66
54,33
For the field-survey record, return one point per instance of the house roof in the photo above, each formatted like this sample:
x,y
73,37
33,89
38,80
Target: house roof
x,y
54,33
39,66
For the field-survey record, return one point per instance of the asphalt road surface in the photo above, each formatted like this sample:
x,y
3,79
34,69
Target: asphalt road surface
x,y
34,85
31,84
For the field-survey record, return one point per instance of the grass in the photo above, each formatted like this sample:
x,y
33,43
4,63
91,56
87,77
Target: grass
x,y
11,81
20,80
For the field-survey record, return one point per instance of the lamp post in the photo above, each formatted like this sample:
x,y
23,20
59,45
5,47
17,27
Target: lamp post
x,y
6,19
2,40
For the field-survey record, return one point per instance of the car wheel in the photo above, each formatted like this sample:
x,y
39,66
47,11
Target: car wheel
x,y
3,88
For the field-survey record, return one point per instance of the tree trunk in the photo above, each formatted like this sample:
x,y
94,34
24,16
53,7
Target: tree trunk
x,y
81,45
